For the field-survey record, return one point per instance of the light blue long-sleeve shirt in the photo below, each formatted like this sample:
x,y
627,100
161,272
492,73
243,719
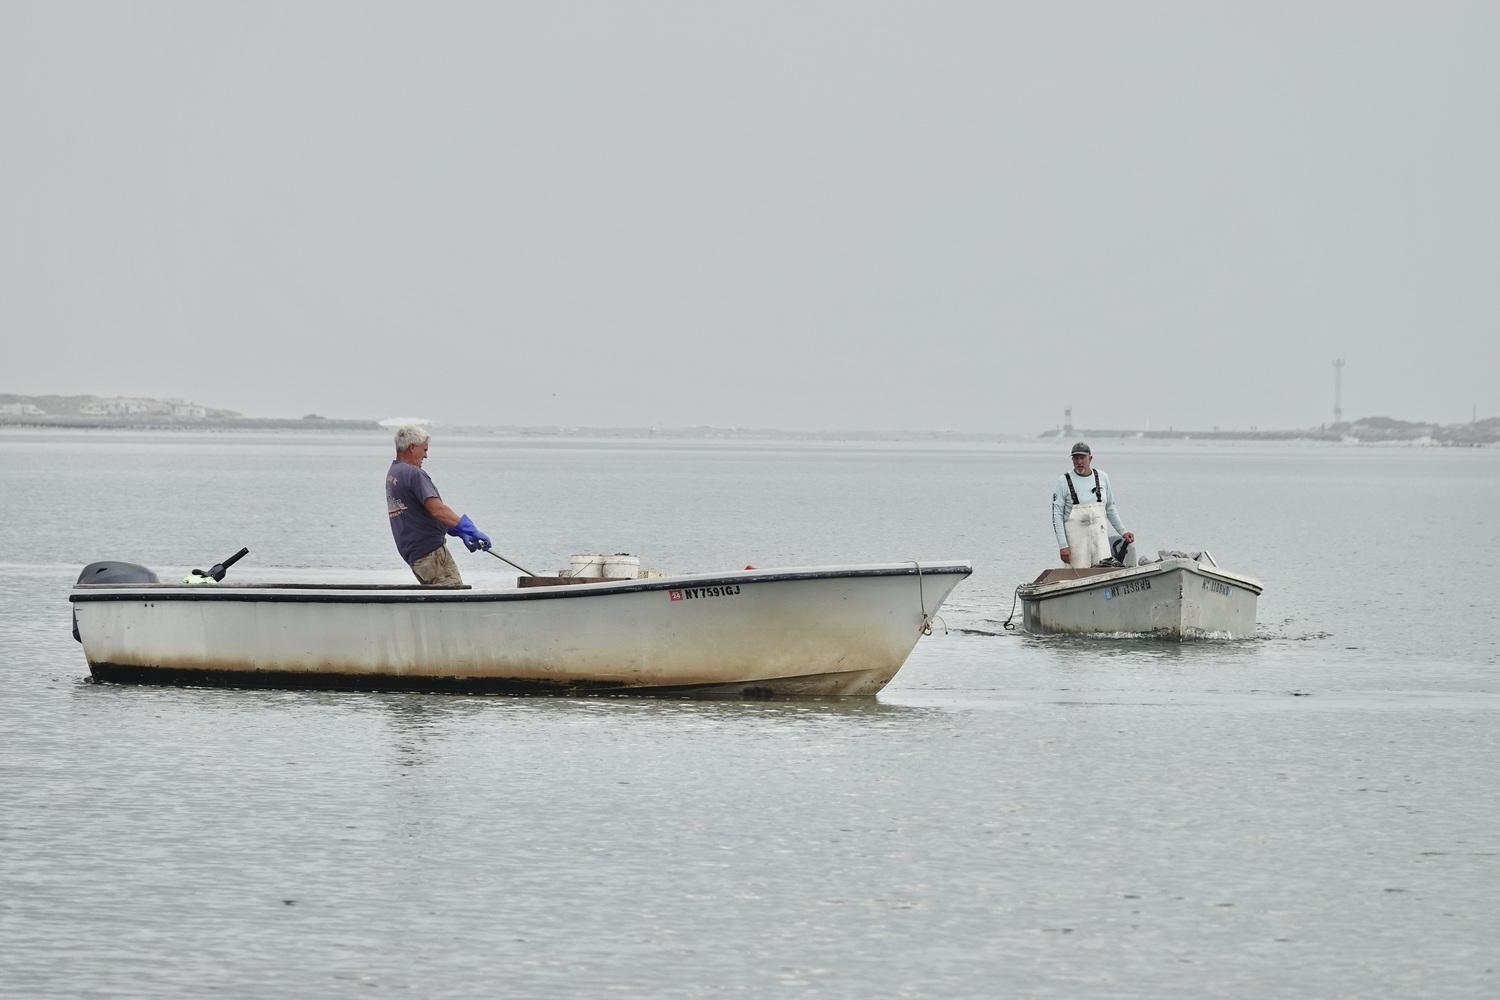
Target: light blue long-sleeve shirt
x,y
1062,501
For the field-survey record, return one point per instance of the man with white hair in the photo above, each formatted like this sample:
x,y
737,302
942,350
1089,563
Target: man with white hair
x,y
420,521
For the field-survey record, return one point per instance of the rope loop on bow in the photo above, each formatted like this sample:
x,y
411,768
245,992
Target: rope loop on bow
x,y
926,627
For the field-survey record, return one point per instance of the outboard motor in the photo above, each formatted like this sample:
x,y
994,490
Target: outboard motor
x,y
110,571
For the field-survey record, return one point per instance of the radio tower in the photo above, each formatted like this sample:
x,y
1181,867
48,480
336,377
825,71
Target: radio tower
x,y
1338,391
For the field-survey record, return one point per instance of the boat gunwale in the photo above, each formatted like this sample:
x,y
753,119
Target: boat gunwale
x,y
334,593
1036,592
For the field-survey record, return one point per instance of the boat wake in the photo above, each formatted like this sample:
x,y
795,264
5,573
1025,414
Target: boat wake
x,y
1001,631
985,632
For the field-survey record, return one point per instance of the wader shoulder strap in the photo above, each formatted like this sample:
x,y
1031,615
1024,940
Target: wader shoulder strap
x,y
1098,490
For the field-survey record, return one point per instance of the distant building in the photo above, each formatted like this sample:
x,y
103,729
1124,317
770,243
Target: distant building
x,y
22,410
113,407
188,410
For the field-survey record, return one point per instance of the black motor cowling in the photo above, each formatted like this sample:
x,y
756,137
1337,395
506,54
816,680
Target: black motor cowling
x,y
110,571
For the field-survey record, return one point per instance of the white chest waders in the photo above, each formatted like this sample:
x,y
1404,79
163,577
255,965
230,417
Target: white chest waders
x,y
1087,529
1087,532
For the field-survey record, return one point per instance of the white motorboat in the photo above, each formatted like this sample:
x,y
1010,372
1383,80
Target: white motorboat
x,y
835,630
1175,598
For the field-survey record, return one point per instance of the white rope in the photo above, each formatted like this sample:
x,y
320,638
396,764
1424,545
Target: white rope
x,y
927,620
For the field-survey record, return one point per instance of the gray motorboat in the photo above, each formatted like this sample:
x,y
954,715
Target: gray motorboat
x,y
1178,597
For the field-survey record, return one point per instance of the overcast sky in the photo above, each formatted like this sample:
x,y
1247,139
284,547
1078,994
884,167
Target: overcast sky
x,y
797,215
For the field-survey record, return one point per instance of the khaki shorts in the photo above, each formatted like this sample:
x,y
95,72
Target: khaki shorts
x,y
437,568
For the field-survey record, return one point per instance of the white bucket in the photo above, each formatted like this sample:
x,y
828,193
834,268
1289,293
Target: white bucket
x,y
622,566
587,566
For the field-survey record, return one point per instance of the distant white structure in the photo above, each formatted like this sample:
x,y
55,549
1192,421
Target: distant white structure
x,y
188,410
22,410
114,407
1338,391
404,422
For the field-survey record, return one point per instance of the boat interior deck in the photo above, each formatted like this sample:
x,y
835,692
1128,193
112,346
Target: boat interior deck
x,y
274,586
1065,573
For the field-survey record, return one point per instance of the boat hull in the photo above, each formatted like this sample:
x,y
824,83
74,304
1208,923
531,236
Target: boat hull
x,y
1174,599
816,631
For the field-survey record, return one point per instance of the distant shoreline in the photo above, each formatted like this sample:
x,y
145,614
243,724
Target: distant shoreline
x,y
1448,438
147,414
1369,430
153,422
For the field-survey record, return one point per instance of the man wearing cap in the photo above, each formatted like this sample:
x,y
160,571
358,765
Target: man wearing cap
x,y
1081,503
420,521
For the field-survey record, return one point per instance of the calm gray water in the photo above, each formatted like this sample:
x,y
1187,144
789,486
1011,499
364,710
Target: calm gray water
x,y
1309,813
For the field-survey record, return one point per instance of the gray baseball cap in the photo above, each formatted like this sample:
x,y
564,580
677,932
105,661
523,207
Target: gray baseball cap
x,y
1081,449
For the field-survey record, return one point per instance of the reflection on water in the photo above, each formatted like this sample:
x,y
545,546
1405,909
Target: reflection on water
x,y
416,712
1143,648
419,721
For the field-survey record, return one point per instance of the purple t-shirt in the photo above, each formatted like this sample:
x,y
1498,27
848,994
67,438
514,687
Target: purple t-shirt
x,y
417,532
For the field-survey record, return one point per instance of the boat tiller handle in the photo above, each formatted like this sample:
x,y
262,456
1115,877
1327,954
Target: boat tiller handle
x,y
218,570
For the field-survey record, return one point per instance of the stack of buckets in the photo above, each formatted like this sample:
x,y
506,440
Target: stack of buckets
x,y
620,566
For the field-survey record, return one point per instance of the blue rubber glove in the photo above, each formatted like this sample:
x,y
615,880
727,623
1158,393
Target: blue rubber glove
x,y
472,536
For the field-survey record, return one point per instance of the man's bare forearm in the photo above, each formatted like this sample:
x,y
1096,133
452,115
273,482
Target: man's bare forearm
x,y
444,514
